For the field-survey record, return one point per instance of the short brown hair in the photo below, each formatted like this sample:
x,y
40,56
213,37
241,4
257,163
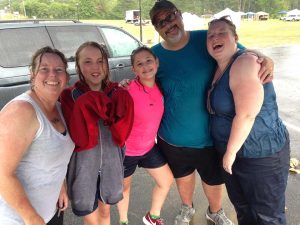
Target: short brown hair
x,y
226,20
37,58
39,54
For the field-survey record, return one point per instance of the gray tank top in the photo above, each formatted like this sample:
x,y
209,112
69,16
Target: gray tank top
x,y
42,169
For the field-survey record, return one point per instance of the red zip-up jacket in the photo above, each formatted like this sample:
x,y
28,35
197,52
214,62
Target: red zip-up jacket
x,y
83,113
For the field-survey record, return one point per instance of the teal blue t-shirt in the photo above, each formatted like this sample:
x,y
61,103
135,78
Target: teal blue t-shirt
x,y
184,76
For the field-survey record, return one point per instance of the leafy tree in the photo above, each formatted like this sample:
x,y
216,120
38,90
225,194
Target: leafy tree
x,y
61,10
115,9
37,9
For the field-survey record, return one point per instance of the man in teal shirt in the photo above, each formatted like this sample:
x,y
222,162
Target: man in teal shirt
x,y
184,75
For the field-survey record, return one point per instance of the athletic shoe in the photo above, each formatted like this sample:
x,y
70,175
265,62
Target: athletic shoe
x,y
218,218
185,215
149,221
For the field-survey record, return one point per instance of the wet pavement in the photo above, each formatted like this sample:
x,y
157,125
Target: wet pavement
x,y
287,85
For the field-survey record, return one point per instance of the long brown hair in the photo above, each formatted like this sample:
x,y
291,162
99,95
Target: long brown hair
x,y
132,58
102,49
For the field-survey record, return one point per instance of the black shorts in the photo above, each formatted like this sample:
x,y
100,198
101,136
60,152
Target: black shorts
x,y
57,220
183,161
151,160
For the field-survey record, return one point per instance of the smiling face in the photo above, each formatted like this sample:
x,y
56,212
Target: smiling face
x,y
92,67
172,30
221,40
49,76
145,66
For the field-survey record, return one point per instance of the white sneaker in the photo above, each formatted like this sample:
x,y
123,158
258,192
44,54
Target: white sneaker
x,y
185,215
218,218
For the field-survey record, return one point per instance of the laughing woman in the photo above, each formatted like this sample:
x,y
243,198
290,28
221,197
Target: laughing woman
x,y
247,131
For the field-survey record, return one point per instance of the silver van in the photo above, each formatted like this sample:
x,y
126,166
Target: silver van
x,y
20,39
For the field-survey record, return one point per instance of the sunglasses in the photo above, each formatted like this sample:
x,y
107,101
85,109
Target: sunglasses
x,y
168,19
208,101
227,19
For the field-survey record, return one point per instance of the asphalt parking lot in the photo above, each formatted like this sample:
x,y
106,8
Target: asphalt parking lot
x,y
287,84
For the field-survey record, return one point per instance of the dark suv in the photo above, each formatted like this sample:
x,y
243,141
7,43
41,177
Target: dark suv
x,y
20,39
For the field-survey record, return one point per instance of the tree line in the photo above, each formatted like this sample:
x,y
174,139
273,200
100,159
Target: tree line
x,y
115,9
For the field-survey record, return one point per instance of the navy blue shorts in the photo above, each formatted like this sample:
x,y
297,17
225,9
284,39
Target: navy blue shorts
x,y
184,161
151,160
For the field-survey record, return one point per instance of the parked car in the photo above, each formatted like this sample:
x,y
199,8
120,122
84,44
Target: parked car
x,y
292,18
144,22
20,39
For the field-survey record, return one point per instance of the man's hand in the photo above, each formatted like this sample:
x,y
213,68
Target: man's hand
x,y
124,83
266,70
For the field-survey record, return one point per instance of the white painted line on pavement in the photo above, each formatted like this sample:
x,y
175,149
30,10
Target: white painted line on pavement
x,y
290,126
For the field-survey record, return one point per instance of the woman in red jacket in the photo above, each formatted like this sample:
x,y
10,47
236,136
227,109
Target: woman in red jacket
x,y
99,115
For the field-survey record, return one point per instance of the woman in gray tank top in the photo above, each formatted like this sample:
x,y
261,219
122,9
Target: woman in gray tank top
x,y
35,147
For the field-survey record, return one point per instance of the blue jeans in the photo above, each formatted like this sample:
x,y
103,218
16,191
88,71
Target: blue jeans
x,y
257,188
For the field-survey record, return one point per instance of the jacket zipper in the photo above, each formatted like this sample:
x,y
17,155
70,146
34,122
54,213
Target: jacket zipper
x,y
100,170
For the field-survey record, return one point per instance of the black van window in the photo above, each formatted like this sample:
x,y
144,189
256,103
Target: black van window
x,y
17,45
68,38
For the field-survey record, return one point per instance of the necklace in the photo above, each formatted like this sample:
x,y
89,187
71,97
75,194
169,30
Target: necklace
x,y
52,115
55,120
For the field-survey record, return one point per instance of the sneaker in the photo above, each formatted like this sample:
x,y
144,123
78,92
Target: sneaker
x,y
149,221
123,223
218,218
185,215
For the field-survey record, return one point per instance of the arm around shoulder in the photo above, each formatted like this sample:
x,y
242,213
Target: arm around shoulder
x,y
266,71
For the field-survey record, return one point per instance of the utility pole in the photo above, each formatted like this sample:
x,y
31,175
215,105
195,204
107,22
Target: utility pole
x,y
9,6
77,10
24,8
141,28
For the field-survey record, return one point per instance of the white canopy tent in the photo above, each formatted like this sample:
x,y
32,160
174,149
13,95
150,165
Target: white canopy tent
x,y
241,13
293,12
234,16
192,21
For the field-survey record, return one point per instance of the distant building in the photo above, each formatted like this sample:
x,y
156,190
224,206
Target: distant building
x,y
261,15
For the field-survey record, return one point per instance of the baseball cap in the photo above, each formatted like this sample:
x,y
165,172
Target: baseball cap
x,y
159,6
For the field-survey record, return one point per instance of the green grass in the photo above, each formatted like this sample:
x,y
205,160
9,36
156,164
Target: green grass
x,y
253,34
269,33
